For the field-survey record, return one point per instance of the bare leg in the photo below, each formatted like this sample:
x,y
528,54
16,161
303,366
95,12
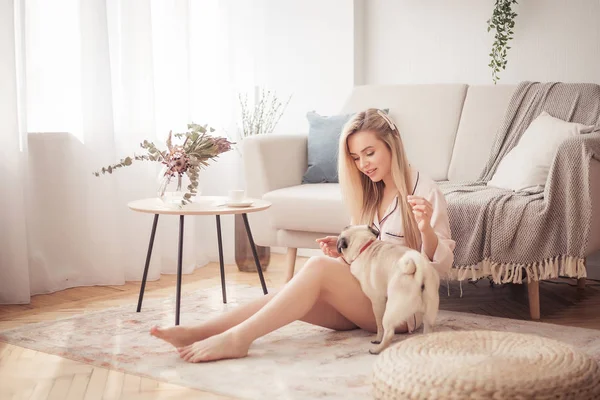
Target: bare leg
x,y
322,279
322,314
180,336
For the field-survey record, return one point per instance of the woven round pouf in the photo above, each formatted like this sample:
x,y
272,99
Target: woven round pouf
x,y
484,365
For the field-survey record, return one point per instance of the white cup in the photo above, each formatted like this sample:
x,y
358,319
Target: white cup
x,y
236,196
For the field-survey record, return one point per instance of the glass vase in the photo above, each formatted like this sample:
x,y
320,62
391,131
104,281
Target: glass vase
x,y
170,197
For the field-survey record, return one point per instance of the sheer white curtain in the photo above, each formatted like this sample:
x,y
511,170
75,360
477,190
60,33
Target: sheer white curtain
x,y
83,82
14,283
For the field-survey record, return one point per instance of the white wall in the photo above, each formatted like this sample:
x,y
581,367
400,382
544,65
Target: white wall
x,y
305,49
412,41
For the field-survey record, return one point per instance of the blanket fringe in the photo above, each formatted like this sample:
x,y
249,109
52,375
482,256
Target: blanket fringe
x,y
563,265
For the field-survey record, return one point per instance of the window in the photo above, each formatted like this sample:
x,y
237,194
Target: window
x,y
53,66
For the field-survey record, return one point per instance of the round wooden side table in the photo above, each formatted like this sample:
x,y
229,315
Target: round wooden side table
x,y
204,205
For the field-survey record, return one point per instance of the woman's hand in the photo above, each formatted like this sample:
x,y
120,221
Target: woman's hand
x,y
422,209
329,246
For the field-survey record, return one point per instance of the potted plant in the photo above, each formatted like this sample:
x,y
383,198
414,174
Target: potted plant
x,y
259,118
503,22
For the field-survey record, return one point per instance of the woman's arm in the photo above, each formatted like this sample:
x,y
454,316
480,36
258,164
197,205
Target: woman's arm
x,y
432,218
430,242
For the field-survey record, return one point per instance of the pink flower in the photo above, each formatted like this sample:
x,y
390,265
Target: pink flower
x,y
223,145
177,161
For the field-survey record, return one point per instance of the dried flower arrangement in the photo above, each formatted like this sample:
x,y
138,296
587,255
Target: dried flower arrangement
x,y
264,116
197,150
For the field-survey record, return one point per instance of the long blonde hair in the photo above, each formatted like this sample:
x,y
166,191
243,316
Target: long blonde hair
x,y
360,193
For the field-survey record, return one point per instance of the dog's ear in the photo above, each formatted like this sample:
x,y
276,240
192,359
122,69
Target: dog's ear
x,y
341,244
374,230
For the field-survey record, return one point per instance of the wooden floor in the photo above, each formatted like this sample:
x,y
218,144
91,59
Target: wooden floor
x,y
27,374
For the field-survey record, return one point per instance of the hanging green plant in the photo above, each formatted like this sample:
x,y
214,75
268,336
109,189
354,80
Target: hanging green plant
x,y
503,21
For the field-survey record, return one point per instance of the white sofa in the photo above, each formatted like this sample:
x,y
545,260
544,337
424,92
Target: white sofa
x,y
448,131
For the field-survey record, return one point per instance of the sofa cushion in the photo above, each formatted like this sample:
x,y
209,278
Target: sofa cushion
x,y
301,239
323,145
314,208
323,136
482,116
526,166
427,116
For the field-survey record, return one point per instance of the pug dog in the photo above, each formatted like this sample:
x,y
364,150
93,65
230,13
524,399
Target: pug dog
x,y
398,280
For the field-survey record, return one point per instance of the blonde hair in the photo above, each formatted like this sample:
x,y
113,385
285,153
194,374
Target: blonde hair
x,y
361,194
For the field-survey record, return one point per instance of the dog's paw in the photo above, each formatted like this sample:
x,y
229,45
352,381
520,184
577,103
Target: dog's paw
x,y
373,351
375,341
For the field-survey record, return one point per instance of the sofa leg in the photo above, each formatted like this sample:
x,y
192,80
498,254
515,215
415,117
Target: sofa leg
x,y
533,291
290,263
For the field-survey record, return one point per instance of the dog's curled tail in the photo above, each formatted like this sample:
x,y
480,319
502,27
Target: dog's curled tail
x,y
417,264
412,262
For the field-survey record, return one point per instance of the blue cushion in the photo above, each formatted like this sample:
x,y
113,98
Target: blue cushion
x,y
323,136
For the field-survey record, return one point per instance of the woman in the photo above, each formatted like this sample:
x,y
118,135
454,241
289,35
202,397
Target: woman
x,y
379,187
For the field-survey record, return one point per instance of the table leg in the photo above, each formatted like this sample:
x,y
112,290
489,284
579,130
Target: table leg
x,y
179,270
148,256
221,262
256,260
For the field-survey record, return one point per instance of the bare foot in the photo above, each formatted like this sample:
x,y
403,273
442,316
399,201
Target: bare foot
x,y
222,346
178,336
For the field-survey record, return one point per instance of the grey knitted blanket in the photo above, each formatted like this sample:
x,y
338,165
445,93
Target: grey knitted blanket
x,y
501,233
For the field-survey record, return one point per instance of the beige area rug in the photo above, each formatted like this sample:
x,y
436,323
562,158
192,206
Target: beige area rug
x,y
297,361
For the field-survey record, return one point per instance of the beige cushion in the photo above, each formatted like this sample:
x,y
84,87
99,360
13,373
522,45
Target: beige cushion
x,y
427,117
313,207
482,116
527,165
300,239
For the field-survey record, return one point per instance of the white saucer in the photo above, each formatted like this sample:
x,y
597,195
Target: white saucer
x,y
243,203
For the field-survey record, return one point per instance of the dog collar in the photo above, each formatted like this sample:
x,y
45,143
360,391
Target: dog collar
x,y
365,246
360,252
